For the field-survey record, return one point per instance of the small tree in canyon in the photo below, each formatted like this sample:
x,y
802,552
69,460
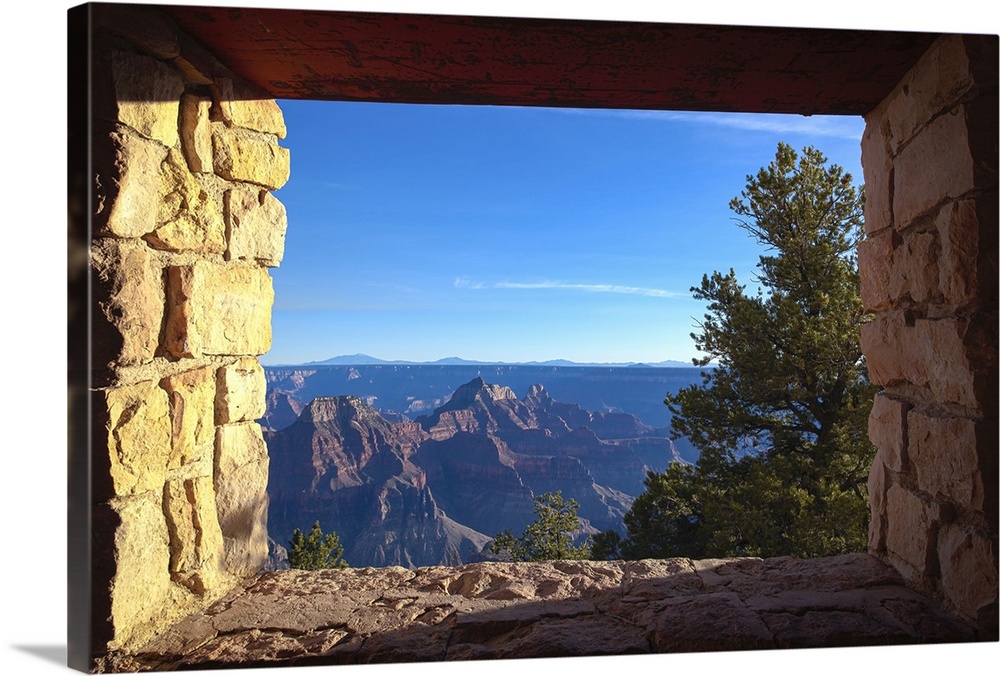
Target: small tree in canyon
x,y
315,551
549,538
781,421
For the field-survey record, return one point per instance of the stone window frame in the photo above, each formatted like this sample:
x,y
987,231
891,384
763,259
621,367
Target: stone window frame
x,y
889,410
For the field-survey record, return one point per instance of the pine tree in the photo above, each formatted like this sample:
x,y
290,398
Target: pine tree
x,y
781,420
315,551
549,537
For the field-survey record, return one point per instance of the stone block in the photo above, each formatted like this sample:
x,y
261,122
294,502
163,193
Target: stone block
x,y
192,415
948,369
887,430
241,470
982,118
239,445
241,391
187,218
875,256
148,93
958,225
140,590
969,571
892,354
914,272
129,293
196,132
126,191
937,165
252,157
930,353
877,166
216,309
138,437
242,105
945,453
711,621
877,487
935,84
255,226
196,545
912,525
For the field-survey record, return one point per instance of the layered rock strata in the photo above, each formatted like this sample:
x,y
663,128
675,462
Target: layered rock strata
x,y
436,490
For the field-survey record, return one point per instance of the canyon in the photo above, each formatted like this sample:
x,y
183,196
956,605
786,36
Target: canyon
x,y
407,390
434,490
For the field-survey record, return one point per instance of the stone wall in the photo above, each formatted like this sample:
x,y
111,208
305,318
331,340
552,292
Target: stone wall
x,y
929,275
184,228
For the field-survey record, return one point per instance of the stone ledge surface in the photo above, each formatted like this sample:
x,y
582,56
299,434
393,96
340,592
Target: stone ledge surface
x,y
552,609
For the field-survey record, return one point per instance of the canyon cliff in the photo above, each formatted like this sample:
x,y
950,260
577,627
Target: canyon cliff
x,y
435,490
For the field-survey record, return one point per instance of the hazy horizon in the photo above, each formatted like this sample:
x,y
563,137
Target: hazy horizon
x,y
362,358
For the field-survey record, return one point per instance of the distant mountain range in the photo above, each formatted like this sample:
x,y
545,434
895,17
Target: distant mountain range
x,y
366,360
410,390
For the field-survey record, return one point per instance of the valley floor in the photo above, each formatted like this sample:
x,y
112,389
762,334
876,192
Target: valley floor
x,y
552,609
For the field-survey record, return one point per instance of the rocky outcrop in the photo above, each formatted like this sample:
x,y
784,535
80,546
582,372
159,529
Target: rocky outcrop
x,y
475,479
601,508
436,490
615,465
345,466
553,609
405,527
282,410
480,408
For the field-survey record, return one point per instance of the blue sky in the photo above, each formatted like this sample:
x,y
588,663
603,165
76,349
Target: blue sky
x,y
515,234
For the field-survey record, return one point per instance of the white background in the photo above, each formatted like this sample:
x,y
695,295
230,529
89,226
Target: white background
x,y
33,596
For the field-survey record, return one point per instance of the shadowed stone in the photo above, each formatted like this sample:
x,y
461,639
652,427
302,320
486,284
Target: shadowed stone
x,y
945,452
369,615
969,572
241,467
715,621
130,294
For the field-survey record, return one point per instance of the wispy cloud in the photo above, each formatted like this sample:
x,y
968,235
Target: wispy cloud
x,y
818,125
462,283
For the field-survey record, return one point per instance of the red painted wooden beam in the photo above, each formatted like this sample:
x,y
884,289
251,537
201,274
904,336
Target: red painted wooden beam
x,y
302,54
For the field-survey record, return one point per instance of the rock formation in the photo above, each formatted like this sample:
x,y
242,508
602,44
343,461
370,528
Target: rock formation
x,y
436,490
419,389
